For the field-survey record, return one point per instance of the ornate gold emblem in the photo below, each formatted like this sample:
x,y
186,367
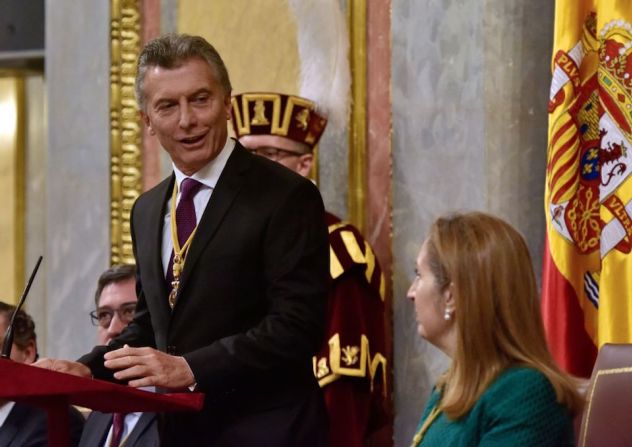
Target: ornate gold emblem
x,y
350,355
301,119
350,361
584,221
260,114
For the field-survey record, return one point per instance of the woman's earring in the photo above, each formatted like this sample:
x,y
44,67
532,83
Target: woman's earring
x,y
447,315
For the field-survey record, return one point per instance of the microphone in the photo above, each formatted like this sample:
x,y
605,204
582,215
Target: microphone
x,y
8,336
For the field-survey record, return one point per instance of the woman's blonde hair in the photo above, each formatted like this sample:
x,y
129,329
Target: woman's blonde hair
x,y
486,263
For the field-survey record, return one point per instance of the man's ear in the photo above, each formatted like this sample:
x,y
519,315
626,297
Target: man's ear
x,y
28,354
147,122
227,106
305,162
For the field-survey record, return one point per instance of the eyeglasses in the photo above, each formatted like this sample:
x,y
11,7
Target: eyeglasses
x,y
273,153
103,317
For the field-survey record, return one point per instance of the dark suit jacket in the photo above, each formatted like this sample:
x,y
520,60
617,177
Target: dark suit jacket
x,y
26,426
250,310
144,434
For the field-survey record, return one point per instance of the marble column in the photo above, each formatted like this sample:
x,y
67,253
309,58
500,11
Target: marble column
x,y
469,85
77,171
379,168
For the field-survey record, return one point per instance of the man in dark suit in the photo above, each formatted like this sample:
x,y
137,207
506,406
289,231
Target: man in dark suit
x,y
115,300
23,425
243,310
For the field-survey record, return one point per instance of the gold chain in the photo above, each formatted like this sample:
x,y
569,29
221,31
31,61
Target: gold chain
x,y
179,254
434,414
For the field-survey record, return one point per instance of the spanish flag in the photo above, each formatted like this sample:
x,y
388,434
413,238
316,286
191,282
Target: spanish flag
x,y
587,272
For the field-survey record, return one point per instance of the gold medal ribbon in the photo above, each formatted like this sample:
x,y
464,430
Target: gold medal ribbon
x,y
434,414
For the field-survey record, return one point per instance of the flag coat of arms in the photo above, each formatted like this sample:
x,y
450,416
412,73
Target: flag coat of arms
x,y
587,269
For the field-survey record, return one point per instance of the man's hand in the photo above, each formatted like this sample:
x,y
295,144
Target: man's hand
x,y
149,367
65,366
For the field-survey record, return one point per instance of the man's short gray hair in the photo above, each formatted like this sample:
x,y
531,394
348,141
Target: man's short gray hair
x,y
171,51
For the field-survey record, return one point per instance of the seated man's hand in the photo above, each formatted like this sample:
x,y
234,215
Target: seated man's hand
x,y
149,367
65,366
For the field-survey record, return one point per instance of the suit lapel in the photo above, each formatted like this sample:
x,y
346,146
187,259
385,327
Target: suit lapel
x,y
141,426
153,223
227,188
96,428
9,429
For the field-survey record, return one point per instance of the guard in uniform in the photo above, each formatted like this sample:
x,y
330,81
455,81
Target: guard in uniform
x,y
350,366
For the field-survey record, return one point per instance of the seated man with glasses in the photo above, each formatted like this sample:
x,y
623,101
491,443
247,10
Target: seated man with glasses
x,y
115,301
104,318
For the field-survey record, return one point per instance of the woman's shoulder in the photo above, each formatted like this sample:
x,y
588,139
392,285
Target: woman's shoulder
x,y
522,384
521,407
523,392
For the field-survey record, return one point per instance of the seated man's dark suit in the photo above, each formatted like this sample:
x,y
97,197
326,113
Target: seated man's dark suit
x,y
26,426
144,433
250,309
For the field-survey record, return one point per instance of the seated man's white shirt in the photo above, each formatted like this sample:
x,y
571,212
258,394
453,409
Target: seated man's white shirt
x,y
5,409
130,421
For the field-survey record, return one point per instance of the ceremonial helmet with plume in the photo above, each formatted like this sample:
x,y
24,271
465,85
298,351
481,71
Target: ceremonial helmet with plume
x,y
297,122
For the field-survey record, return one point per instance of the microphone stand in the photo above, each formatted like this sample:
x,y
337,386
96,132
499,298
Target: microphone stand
x,y
8,336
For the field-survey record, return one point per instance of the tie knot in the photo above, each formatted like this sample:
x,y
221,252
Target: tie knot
x,y
189,188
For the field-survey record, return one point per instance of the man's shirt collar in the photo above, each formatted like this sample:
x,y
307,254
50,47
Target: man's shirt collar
x,y
209,174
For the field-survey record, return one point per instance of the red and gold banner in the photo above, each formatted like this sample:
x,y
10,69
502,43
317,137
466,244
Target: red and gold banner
x,y
587,277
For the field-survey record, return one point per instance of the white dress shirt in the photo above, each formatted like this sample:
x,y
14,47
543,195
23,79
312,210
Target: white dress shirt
x,y
130,421
208,176
128,425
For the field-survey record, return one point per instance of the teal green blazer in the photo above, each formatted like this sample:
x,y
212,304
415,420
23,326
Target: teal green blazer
x,y
518,409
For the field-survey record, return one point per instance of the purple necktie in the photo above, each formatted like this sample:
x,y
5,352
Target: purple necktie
x,y
118,425
185,217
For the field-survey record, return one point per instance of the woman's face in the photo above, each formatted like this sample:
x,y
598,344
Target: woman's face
x,y
430,303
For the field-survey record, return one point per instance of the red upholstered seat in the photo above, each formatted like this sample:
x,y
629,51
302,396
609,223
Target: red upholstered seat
x,y
607,417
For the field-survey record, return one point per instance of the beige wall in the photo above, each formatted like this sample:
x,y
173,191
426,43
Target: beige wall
x,y
260,54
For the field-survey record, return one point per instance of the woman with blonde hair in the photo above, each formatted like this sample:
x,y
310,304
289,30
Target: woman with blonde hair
x,y
476,299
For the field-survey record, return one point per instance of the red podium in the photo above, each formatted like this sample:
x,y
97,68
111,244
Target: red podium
x,y
54,391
